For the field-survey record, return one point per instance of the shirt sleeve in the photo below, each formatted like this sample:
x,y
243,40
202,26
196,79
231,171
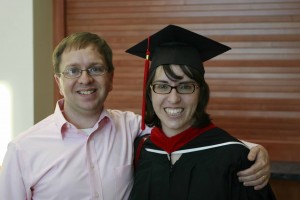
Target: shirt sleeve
x,y
250,145
11,178
146,131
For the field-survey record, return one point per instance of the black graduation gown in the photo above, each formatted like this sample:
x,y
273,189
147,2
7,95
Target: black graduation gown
x,y
209,174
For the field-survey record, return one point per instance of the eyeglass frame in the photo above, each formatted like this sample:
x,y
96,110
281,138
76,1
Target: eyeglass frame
x,y
152,86
81,70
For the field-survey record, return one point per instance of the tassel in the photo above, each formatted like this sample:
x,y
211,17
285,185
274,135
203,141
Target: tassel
x,y
146,72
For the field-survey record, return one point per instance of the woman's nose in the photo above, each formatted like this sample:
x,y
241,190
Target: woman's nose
x,y
174,96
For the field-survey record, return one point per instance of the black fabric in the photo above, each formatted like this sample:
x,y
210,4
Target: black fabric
x,y
176,45
203,175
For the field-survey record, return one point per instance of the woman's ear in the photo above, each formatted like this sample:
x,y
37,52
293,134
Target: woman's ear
x,y
111,81
150,97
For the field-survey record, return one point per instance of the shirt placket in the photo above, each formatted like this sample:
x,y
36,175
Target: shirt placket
x,y
94,170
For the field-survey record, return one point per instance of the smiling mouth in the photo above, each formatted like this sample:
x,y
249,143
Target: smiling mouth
x,y
85,92
174,111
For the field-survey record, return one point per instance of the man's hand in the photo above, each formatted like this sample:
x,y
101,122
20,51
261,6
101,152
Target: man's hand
x,y
259,173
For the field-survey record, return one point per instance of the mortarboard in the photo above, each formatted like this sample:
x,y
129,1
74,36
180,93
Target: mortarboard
x,y
175,45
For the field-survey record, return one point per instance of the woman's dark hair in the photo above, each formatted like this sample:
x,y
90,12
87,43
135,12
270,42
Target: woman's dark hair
x,y
201,117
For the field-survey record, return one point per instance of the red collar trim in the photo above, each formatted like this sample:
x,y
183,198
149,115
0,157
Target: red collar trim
x,y
171,144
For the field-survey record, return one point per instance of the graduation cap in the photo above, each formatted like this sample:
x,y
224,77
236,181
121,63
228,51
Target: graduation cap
x,y
175,45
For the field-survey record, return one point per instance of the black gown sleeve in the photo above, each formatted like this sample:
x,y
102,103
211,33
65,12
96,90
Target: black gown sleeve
x,y
239,191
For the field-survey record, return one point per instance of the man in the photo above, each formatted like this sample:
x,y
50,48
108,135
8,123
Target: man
x,y
84,151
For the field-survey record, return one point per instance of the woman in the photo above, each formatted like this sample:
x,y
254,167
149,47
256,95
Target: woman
x,y
186,155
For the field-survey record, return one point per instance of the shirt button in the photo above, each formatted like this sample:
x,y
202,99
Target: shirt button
x,y
96,195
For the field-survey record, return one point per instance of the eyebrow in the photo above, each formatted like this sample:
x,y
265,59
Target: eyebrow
x,y
167,82
96,63
160,81
89,66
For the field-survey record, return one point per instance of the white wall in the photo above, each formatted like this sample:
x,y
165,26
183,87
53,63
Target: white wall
x,y
18,65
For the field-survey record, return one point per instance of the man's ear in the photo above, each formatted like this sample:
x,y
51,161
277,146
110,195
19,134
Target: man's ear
x,y
57,80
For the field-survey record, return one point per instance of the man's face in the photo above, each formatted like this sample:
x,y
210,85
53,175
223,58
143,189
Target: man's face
x,y
85,94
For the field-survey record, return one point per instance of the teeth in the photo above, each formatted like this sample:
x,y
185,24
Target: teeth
x,y
173,111
86,92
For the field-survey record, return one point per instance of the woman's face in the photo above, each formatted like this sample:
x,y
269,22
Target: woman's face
x,y
175,111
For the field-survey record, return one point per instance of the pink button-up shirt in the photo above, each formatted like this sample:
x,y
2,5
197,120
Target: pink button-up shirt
x,y
55,160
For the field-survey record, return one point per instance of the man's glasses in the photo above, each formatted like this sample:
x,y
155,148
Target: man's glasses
x,y
75,72
182,88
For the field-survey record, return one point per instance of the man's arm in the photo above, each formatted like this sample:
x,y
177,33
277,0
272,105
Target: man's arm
x,y
259,173
11,182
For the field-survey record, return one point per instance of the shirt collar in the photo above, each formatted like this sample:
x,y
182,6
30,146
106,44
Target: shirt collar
x,y
63,125
60,120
